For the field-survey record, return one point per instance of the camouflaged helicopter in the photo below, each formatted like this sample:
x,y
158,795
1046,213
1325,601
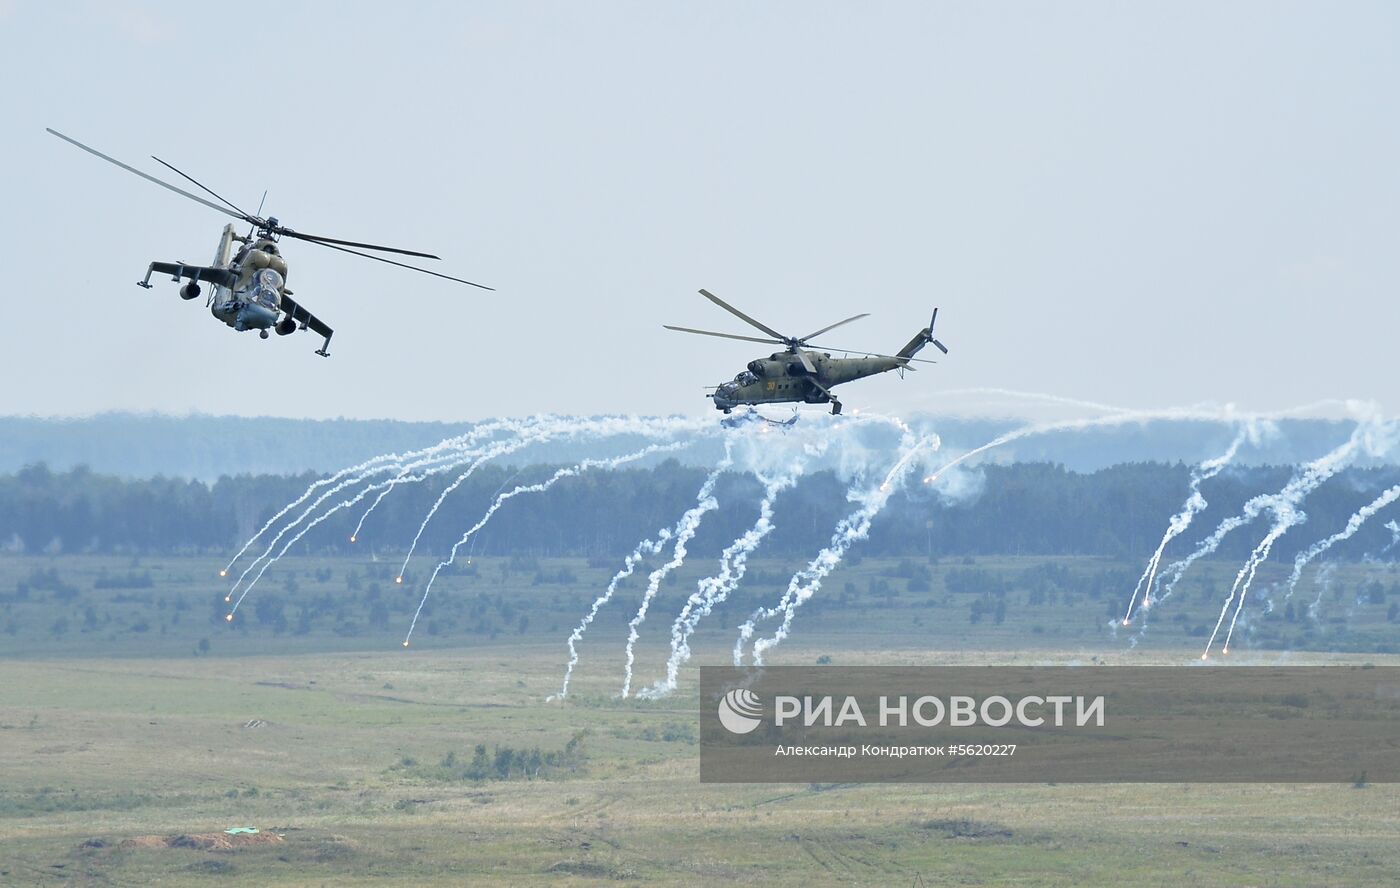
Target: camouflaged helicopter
x,y
803,374
249,287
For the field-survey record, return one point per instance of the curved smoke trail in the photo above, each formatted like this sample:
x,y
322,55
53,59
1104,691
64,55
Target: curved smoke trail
x,y
629,564
1126,417
343,504
1324,583
852,528
1195,503
458,442
538,435
733,564
267,558
685,529
1304,482
403,463
675,426
1371,436
356,470
1362,515
369,467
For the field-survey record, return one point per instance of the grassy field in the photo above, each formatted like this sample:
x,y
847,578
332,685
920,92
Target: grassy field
x,y
359,753
105,605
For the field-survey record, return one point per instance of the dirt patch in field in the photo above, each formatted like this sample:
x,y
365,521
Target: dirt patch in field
x,y
217,841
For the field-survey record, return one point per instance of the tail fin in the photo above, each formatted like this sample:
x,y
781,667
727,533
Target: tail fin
x,y
921,339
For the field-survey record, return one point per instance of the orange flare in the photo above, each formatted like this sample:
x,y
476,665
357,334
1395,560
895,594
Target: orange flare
x,y
398,579
405,644
1205,656
223,573
229,618
352,539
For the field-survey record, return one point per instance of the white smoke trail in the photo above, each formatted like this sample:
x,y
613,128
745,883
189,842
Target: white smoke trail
x,y
1370,436
1206,414
433,454
267,558
1285,517
304,530
733,564
544,432
852,528
684,531
766,458
1394,528
1323,581
403,463
642,550
676,426
353,470
264,560
944,394
1312,474
1362,515
370,466
1195,502
602,426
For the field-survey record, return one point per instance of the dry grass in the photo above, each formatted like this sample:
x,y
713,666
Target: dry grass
x,y
140,754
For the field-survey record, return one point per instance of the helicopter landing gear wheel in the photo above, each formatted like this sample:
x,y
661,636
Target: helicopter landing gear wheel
x,y
189,291
262,334
286,327
835,407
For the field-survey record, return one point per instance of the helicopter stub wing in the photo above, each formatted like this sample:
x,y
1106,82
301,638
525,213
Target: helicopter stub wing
x,y
308,321
178,270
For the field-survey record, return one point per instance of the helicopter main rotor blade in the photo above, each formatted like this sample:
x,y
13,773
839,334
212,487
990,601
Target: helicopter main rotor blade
x,y
725,335
241,211
856,351
864,314
743,317
317,239
131,169
399,264
825,389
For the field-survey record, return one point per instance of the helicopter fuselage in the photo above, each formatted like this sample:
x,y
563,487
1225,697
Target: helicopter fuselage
x,y
782,378
254,301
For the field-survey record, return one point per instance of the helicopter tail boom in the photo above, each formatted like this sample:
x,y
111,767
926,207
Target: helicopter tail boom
x,y
922,338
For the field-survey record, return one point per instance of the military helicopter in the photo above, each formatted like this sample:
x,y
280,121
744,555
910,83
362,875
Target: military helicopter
x,y
249,287
803,374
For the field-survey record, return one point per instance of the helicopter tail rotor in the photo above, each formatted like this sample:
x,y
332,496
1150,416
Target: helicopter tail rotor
x,y
922,338
936,344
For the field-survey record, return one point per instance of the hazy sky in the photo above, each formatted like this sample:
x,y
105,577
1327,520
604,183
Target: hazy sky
x,y
1138,204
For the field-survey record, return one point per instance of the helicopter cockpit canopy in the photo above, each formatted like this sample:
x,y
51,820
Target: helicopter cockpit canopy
x,y
745,378
267,288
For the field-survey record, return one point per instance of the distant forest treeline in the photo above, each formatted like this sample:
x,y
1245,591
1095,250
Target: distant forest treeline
x,y
1019,509
209,447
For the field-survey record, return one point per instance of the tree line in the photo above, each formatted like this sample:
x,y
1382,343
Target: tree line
x,y
1016,509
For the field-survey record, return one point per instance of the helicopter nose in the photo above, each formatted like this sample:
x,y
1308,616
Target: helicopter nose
x,y
256,316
